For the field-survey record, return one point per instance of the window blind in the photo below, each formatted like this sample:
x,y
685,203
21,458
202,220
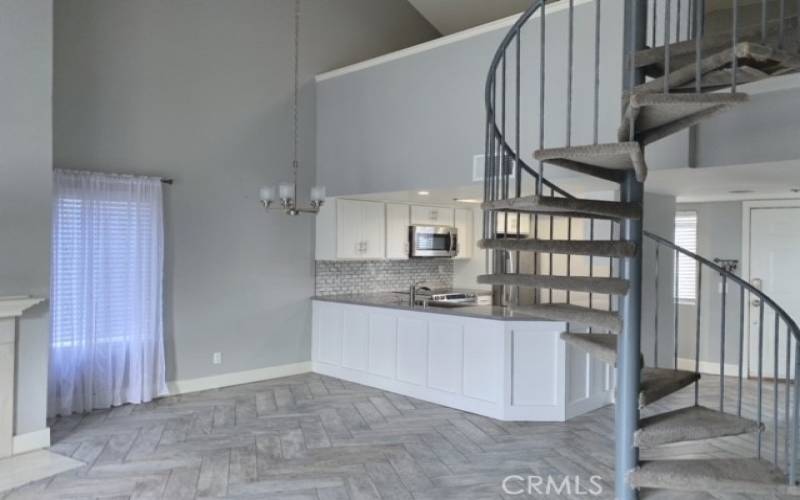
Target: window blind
x,y
686,237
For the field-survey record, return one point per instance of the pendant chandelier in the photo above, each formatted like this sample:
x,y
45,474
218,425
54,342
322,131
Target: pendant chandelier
x,y
286,191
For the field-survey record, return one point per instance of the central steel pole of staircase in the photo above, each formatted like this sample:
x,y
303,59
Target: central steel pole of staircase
x,y
629,344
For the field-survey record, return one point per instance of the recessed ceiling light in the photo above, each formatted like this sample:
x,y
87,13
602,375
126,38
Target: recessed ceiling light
x,y
466,200
741,191
423,193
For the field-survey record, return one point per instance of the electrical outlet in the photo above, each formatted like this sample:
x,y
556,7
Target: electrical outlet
x,y
216,358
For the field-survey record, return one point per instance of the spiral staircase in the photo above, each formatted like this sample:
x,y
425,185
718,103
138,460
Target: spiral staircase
x,y
675,76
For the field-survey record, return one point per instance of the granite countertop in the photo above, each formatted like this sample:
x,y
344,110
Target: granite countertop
x,y
400,301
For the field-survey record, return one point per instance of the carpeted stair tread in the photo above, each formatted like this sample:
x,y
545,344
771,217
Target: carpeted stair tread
x,y
598,248
614,286
747,53
654,494
734,475
690,424
568,207
595,318
602,346
613,156
656,116
721,79
681,53
657,383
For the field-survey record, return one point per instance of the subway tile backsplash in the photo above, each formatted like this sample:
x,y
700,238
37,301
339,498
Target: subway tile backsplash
x,y
347,277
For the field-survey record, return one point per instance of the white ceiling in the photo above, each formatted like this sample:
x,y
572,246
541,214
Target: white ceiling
x,y
450,16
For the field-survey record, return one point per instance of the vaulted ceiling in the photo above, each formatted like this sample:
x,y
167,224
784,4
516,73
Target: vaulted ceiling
x,y
449,16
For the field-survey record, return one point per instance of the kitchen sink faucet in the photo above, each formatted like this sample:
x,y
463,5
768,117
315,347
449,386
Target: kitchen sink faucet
x,y
412,292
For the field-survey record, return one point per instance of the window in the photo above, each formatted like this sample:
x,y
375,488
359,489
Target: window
x,y
107,344
686,237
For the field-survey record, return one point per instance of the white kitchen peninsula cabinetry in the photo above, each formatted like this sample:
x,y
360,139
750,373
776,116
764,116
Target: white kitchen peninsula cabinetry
x,y
431,216
500,368
397,222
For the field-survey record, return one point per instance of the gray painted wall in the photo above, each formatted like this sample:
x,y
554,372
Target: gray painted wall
x,y
25,189
719,234
760,131
659,218
418,121
199,90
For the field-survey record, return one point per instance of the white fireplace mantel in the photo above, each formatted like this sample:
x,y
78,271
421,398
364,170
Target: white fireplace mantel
x,y
10,309
15,305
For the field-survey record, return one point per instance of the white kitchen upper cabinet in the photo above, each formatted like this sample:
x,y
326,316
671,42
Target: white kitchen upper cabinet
x,y
431,216
373,229
349,240
360,231
465,224
398,218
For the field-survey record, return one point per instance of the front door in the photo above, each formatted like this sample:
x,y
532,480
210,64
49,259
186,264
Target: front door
x,y
774,259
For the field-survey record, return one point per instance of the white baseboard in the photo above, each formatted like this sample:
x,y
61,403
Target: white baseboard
x,y
31,441
237,378
708,367
585,405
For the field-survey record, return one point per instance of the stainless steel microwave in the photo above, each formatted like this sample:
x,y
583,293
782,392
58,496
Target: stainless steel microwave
x,y
433,241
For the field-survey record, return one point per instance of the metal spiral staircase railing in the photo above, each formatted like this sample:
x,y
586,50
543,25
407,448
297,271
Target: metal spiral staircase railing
x,y
582,261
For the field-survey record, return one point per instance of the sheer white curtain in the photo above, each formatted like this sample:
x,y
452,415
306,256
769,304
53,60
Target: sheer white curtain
x,y
107,345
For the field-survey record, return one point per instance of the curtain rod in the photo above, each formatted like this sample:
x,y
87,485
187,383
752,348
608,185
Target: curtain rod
x,y
164,180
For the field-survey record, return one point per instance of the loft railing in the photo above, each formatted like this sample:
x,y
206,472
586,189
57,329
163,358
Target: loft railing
x,y
679,35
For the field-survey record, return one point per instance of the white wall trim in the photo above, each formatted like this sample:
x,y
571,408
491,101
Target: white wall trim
x,y
441,42
709,367
237,378
31,441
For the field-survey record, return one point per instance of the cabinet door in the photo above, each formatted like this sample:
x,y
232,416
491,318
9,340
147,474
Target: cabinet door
x,y
445,356
466,240
355,339
397,222
507,223
349,222
433,216
373,230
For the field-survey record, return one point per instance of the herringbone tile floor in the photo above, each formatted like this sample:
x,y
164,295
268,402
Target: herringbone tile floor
x,y
315,437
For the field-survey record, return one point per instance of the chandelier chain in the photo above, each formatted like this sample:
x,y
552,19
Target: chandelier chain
x,y
296,97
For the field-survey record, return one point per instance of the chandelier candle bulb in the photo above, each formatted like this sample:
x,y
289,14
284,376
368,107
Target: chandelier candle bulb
x,y
267,194
318,193
286,190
